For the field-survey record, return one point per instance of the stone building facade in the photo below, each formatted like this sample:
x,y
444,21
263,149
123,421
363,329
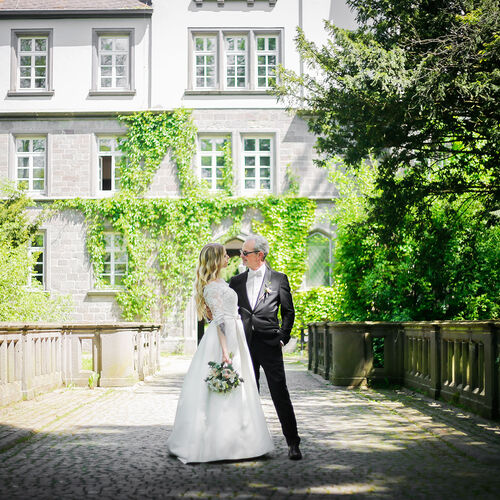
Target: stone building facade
x,y
69,68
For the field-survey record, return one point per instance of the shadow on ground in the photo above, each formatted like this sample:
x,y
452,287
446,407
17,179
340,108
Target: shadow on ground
x,y
356,444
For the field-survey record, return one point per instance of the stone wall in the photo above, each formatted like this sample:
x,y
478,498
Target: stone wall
x,y
72,171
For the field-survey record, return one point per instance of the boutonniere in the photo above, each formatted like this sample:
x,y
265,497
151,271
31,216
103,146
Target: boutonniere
x,y
267,288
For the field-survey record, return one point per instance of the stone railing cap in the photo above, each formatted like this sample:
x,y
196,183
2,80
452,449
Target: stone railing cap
x,y
77,326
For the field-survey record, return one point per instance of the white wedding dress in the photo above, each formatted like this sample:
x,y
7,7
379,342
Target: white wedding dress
x,y
212,426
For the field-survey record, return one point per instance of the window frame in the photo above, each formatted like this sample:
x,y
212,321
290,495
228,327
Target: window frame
x,y
96,89
15,88
224,64
221,34
267,53
272,166
30,178
199,152
195,54
115,138
112,285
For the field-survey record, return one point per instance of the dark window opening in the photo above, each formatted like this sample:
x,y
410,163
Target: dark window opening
x,y
106,173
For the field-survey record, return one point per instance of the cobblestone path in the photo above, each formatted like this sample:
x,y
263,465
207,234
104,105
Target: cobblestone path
x,y
110,444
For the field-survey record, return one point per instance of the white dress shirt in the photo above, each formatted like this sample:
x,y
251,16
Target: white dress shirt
x,y
254,283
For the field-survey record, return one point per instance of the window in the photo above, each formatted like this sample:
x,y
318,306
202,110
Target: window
x,y
211,160
267,56
115,260
319,260
31,159
33,58
113,62
37,247
248,60
236,61
205,59
257,163
31,63
110,158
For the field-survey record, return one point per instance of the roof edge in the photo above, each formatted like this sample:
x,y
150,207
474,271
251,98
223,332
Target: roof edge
x,y
139,12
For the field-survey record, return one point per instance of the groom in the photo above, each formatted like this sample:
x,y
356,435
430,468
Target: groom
x,y
261,292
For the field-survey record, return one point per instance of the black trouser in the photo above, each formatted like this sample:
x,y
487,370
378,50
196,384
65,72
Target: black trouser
x,y
270,358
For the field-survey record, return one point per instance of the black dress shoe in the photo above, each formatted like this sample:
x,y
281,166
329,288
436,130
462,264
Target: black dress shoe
x,y
294,452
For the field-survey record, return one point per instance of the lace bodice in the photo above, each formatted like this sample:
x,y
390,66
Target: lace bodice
x,y
222,301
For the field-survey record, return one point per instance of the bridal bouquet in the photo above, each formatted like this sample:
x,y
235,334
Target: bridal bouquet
x,y
222,377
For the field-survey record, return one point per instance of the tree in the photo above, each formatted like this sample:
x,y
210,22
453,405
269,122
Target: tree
x,y
19,300
15,228
448,270
416,86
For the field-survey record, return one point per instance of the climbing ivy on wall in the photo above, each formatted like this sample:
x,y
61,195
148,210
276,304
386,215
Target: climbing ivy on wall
x,y
164,236
227,171
151,136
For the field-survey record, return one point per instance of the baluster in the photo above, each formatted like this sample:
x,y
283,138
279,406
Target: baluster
x,y
420,356
10,361
406,357
38,362
3,361
457,378
41,342
465,366
425,359
19,360
48,354
52,355
417,357
41,345
57,353
473,355
429,357
413,356
446,359
480,366
44,355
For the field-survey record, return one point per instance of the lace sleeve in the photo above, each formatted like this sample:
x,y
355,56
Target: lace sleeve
x,y
215,301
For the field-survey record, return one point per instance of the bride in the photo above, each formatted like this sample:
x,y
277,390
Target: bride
x,y
208,425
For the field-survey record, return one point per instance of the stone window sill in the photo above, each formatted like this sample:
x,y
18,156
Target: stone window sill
x,y
228,92
33,93
97,93
103,292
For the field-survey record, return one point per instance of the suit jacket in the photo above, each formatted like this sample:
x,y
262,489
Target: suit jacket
x,y
262,320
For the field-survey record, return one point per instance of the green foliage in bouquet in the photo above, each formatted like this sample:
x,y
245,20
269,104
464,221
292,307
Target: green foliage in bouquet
x,y
222,377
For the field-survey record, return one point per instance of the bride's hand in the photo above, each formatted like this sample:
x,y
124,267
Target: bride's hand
x,y
225,358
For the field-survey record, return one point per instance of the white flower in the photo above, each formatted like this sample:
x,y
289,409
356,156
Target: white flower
x,y
267,288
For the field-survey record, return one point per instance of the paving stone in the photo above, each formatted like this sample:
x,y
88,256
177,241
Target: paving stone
x,y
110,444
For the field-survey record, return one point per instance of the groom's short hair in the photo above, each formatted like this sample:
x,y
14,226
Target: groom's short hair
x,y
261,244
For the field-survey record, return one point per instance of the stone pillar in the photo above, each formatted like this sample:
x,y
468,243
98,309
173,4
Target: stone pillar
x,y
117,351
349,360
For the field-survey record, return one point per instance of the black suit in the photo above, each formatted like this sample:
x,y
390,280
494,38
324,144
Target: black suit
x,y
263,333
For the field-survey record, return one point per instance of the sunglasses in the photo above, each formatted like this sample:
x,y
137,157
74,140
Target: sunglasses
x,y
245,253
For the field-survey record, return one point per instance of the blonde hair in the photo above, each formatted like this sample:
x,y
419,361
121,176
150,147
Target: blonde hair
x,y
209,268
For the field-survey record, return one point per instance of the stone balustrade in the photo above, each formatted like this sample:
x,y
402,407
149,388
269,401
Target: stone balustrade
x,y
454,360
40,357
